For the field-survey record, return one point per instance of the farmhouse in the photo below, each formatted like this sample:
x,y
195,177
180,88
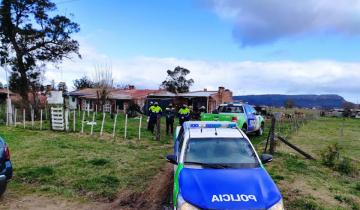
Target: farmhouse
x,y
208,99
119,99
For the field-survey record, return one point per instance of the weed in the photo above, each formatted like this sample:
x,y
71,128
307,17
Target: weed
x,y
307,203
330,155
99,161
346,166
31,175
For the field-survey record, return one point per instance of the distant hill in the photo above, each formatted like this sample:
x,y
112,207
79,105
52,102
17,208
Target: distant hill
x,y
308,101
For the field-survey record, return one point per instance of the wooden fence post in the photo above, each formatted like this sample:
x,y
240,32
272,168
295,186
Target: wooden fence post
x,y
82,122
32,118
126,121
15,117
24,118
140,127
272,148
102,124
92,124
66,120
114,129
41,120
74,120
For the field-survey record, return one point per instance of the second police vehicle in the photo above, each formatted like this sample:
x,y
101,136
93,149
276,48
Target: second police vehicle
x,y
216,167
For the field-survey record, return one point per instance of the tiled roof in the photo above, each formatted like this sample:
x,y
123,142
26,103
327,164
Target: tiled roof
x,y
198,94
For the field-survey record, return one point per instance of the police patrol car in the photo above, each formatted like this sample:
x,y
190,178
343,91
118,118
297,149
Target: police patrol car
x,y
216,167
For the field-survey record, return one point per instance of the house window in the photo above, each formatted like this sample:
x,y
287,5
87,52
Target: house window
x,y
73,99
107,107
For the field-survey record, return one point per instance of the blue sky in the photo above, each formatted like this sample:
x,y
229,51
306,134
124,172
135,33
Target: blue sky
x,y
189,29
250,46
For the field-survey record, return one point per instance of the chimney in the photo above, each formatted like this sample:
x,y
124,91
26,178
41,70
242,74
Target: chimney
x,y
48,88
221,89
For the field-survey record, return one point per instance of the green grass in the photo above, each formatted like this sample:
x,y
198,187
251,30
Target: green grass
x,y
316,135
82,166
307,184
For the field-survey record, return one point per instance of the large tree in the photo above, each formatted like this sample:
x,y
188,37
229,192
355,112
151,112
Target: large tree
x,y
31,35
176,81
83,82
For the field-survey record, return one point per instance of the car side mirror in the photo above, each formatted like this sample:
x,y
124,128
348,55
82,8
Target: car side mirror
x,y
266,158
172,159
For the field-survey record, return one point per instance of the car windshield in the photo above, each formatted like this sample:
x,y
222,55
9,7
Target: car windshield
x,y
224,152
231,109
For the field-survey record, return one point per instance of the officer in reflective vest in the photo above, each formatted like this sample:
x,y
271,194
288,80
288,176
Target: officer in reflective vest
x,y
149,111
155,111
170,116
184,114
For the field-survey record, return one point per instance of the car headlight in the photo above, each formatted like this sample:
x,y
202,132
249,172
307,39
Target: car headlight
x,y
187,206
277,206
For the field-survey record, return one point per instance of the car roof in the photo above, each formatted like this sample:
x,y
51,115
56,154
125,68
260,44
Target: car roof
x,y
212,129
237,104
215,133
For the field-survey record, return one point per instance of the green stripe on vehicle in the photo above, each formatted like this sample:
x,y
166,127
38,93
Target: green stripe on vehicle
x,y
176,183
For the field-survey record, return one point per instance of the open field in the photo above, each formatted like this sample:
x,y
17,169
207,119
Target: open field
x,y
317,135
81,166
308,184
82,171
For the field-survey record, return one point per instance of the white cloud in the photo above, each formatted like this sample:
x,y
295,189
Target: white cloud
x,y
246,77
259,21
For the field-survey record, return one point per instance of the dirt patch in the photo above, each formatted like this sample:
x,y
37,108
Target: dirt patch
x,y
31,202
153,197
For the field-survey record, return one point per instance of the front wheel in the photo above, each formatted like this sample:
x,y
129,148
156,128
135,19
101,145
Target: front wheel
x,y
261,130
244,128
2,188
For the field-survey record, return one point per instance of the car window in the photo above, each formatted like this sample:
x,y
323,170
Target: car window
x,y
231,109
252,110
234,152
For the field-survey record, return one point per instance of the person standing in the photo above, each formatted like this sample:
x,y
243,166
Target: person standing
x,y
170,116
154,113
184,114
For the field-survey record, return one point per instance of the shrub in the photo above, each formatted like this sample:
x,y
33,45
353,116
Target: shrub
x,y
346,166
330,155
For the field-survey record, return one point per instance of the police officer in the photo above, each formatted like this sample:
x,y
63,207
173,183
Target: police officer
x,y
202,109
184,114
170,116
155,111
151,106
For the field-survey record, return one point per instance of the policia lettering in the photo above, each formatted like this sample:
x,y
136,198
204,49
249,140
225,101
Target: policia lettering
x,y
233,198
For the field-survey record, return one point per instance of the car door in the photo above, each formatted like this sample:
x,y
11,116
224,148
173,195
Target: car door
x,y
251,118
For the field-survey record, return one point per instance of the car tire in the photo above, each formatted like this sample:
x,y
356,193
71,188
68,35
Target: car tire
x,y
3,188
244,128
261,130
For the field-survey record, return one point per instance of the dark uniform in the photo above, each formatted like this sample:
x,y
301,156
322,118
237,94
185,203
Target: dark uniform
x,y
170,116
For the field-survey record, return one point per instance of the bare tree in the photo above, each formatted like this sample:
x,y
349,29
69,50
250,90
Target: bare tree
x,y
103,82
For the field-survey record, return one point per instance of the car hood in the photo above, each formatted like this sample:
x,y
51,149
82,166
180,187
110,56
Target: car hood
x,y
228,188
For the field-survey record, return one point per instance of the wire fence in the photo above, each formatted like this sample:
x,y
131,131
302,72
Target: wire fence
x,y
102,124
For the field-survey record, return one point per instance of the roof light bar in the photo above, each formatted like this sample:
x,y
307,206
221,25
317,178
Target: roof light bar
x,y
212,125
